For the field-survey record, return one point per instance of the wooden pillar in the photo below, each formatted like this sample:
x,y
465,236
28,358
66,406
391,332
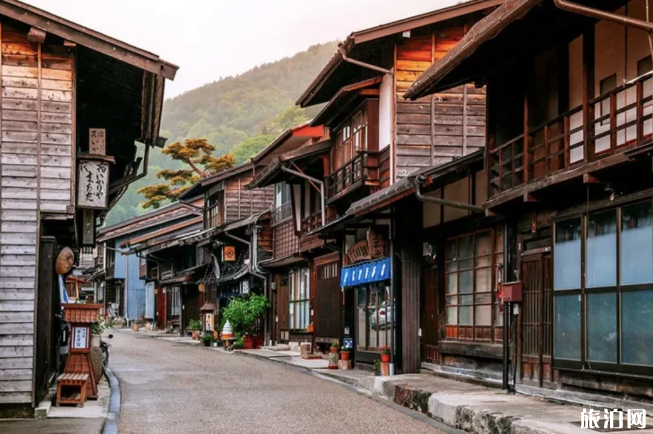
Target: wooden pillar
x,y
588,90
408,228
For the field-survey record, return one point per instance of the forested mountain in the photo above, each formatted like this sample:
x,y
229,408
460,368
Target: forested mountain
x,y
239,114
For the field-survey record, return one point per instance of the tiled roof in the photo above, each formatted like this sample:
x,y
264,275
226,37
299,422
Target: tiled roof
x,y
81,313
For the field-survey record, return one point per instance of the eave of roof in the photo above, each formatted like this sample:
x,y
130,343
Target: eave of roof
x,y
203,184
392,28
308,133
167,240
114,231
342,98
92,39
266,175
163,231
403,187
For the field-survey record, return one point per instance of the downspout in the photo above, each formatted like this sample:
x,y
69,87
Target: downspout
x,y
363,64
603,15
315,180
417,182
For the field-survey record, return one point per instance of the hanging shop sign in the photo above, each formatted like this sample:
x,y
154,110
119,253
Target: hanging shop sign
x,y
97,141
229,253
93,181
372,247
368,272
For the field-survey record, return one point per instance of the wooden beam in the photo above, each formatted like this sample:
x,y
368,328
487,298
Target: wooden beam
x,y
591,179
588,90
529,198
36,35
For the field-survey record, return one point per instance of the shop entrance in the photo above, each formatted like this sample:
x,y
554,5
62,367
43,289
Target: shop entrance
x,y
536,318
430,316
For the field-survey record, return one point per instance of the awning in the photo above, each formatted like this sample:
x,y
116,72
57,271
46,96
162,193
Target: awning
x,y
367,272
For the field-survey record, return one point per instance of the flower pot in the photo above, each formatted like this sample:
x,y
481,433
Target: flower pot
x,y
206,343
196,335
333,350
385,358
248,343
344,355
95,340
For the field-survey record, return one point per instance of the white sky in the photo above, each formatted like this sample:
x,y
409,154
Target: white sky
x,y
210,39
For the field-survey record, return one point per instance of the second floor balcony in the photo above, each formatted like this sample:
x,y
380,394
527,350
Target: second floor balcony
x,y
362,170
610,124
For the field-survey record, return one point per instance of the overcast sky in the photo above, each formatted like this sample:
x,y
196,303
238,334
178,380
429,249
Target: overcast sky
x,y
210,39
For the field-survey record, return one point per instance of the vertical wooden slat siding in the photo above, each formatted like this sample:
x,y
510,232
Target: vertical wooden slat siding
x,y
240,203
35,177
440,127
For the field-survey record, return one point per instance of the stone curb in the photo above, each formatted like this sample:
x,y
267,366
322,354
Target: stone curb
x,y
113,416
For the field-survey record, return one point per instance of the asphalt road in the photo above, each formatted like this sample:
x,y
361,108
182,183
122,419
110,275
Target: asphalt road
x,y
176,388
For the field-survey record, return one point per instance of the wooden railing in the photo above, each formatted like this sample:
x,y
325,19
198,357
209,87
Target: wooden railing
x,y
363,168
281,213
312,222
619,120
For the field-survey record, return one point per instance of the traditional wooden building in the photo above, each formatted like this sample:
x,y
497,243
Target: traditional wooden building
x,y
235,237
378,139
121,277
80,111
569,166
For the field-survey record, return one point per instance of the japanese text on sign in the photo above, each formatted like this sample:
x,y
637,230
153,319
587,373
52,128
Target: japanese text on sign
x,y
93,184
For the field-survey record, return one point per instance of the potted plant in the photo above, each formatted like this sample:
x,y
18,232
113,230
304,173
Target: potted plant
x,y
344,353
96,332
207,339
242,313
239,344
334,347
377,367
195,326
385,354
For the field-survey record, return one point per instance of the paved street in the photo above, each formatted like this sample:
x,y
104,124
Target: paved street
x,y
171,387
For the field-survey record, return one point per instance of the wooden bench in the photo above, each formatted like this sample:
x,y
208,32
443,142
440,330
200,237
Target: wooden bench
x,y
71,389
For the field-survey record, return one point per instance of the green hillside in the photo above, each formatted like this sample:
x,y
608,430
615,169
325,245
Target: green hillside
x,y
239,114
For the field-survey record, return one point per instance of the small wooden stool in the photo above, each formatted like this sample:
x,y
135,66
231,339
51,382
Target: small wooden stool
x,y
75,385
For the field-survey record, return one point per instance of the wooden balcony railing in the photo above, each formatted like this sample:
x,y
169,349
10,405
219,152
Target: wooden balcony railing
x,y
312,222
362,169
281,213
618,120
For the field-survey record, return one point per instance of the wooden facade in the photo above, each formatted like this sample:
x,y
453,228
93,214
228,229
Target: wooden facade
x,y
47,108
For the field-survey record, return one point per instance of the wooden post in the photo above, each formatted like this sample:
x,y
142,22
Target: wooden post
x,y
567,140
546,150
640,112
588,91
526,152
613,123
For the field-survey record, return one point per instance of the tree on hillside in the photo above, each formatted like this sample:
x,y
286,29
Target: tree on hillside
x,y
196,154
250,147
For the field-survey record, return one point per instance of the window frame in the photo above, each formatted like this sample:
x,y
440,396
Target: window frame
x,y
473,332
618,289
297,305
350,137
368,307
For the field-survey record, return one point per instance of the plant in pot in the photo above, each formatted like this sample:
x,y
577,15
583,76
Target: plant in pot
x,y
195,326
377,367
242,313
207,339
96,352
344,353
239,344
334,347
96,332
385,354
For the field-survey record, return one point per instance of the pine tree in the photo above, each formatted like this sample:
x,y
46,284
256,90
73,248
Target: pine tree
x,y
196,154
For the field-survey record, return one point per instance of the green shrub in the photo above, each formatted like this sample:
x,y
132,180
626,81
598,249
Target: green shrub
x,y
242,312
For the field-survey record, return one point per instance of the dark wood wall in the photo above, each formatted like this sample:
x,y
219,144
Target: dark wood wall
x,y
435,129
241,203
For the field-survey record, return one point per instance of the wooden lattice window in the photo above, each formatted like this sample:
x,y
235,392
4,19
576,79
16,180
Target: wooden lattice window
x,y
471,308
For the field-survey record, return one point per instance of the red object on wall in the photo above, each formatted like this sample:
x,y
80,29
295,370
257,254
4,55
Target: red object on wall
x,y
512,292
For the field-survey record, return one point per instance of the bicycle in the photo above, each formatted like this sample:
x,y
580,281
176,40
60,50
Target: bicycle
x,y
104,346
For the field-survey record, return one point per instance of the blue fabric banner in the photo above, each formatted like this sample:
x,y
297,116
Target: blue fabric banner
x,y
368,272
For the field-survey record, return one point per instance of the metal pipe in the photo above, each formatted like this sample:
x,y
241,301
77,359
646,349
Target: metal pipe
x,y
238,239
603,15
445,202
363,64
317,181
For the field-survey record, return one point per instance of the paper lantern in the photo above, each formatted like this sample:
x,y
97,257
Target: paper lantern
x,y
65,261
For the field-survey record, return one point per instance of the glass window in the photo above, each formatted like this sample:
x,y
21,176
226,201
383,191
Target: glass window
x,y
637,327
470,290
602,249
567,255
636,244
299,309
602,327
567,327
375,316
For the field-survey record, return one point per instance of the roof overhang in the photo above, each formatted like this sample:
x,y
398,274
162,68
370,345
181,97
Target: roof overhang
x,y
288,141
363,45
517,29
347,96
205,183
97,41
273,172
438,175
